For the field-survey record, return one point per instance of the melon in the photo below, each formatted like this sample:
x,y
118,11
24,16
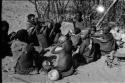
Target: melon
x,y
53,75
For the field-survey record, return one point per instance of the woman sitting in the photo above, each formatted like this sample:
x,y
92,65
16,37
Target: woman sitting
x,y
64,60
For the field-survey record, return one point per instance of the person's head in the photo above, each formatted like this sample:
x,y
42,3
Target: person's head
x,y
77,31
93,29
85,33
106,28
5,26
112,24
31,17
79,15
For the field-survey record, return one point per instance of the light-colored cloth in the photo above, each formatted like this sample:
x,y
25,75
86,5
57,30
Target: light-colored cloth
x,y
115,34
123,37
121,50
66,27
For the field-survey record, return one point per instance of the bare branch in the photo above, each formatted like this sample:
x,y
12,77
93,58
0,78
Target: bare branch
x,y
39,15
67,3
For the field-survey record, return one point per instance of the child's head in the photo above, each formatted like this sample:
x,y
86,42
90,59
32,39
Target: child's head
x,y
85,33
31,17
93,29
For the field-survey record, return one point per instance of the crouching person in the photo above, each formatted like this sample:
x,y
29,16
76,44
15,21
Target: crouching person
x,y
24,54
25,63
64,62
106,40
87,49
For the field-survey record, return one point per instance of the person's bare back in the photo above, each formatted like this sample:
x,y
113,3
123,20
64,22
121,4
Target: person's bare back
x,y
64,56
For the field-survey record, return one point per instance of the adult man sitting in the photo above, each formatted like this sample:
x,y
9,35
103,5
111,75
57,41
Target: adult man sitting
x,y
107,42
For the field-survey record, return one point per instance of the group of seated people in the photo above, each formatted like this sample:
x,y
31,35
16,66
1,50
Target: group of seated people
x,y
68,51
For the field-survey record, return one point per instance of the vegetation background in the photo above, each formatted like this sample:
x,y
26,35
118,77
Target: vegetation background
x,y
15,11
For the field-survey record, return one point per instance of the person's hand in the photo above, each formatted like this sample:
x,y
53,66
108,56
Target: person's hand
x,y
47,49
100,39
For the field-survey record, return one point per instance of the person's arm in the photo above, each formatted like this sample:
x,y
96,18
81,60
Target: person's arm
x,y
97,35
55,52
56,38
82,48
29,25
100,37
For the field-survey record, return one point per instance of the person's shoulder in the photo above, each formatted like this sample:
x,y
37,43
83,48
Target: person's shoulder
x,y
28,24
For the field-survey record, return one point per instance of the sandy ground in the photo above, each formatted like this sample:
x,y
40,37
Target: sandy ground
x,y
95,72
15,12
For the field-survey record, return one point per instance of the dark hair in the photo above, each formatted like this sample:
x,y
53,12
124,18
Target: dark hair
x,y
30,15
77,30
93,28
5,24
22,35
80,13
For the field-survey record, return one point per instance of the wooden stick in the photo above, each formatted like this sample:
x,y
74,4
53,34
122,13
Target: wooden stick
x,y
39,15
106,13
52,30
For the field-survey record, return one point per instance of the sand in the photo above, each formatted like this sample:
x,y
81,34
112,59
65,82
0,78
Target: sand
x,y
95,72
15,13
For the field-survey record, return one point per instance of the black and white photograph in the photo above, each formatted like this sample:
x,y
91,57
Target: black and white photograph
x,y
62,41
